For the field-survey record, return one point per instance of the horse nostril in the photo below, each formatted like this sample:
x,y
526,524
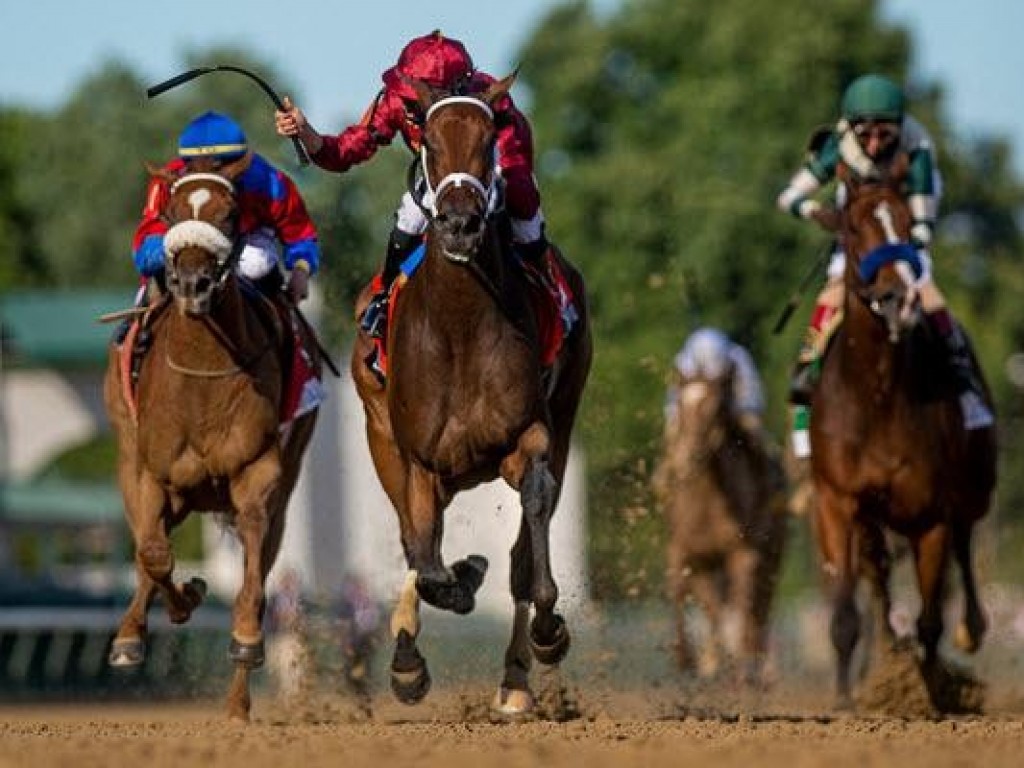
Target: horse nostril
x,y
203,284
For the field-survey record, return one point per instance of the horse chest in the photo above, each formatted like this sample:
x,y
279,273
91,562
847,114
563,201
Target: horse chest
x,y
206,435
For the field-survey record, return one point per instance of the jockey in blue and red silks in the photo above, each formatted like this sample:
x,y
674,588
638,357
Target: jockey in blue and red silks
x,y
445,64
274,229
273,223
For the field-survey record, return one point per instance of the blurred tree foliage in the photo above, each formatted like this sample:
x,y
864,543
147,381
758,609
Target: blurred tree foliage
x,y
664,131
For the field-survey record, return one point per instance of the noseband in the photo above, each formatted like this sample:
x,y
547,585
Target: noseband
x,y
196,233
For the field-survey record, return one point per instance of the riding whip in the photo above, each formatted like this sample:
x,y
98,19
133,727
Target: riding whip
x,y
794,300
192,74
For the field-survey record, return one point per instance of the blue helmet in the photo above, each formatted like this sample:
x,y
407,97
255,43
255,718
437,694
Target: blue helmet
x,y
212,135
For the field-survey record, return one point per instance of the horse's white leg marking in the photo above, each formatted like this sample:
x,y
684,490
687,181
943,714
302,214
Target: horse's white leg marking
x,y
407,612
513,696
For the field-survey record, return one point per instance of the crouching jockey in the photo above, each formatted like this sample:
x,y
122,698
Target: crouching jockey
x,y
274,228
444,64
872,131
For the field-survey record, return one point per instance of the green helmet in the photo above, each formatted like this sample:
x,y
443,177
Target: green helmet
x,y
873,97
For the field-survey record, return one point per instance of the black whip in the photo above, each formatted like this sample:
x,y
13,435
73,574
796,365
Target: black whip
x,y
794,300
192,74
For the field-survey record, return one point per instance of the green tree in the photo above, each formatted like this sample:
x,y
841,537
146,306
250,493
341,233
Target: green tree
x,y
664,133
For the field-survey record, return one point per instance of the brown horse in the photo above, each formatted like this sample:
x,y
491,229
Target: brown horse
x,y
203,432
467,400
724,496
889,449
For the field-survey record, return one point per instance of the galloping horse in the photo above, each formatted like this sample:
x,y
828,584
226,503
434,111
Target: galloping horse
x,y
725,501
467,400
889,449
202,431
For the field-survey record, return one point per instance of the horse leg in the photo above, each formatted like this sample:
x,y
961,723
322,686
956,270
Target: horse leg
x,y
253,497
514,697
971,629
410,678
705,586
877,567
837,540
538,492
422,525
750,588
152,511
931,554
677,580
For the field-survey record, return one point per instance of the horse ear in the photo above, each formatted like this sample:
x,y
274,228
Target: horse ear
x,y
425,94
159,172
236,168
497,90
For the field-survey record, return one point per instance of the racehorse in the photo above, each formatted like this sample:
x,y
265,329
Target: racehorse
x,y
889,449
467,400
724,498
202,430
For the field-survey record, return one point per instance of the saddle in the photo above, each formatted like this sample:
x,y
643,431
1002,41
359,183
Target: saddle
x,y
303,391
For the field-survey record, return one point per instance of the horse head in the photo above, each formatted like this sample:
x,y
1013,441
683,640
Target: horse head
x,y
202,218
459,164
883,266
700,423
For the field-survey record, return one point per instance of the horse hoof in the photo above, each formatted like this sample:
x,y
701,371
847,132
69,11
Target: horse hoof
x,y
512,703
553,649
456,594
410,678
248,655
127,653
410,687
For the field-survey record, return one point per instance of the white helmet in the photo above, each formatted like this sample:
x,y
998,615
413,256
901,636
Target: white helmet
x,y
705,354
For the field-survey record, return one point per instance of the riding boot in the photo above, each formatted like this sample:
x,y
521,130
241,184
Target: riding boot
x,y
970,390
375,317
808,365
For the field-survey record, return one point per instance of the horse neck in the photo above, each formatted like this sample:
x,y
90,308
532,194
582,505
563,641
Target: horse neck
x,y
863,347
480,286
228,329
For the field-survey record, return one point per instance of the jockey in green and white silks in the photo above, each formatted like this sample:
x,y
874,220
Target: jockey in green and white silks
x,y
873,129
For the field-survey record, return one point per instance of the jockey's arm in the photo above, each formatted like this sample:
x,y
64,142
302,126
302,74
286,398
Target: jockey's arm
x,y
359,142
148,241
515,158
818,170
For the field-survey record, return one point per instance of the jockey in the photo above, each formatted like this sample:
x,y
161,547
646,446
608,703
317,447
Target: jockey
x,y
711,354
872,130
273,223
445,64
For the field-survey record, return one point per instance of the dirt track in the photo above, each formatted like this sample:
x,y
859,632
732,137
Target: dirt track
x,y
616,729
170,736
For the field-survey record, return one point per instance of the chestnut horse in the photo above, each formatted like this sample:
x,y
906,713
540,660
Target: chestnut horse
x,y
203,431
724,497
467,400
889,449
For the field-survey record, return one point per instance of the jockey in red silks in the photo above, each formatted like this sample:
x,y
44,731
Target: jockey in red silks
x,y
274,225
445,64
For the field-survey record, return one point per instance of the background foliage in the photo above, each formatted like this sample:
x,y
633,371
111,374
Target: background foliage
x,y
664,133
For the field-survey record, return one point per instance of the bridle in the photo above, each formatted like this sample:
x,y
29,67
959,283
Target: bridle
x,y
487,191
897,251
195,232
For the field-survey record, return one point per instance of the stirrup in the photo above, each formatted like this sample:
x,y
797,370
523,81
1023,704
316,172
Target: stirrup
x,y
976,414
375,316
801,385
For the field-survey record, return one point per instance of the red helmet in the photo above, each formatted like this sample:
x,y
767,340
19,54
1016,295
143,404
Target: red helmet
x,y
434,59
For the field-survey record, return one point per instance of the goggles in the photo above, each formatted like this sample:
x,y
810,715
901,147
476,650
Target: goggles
x,y
884,132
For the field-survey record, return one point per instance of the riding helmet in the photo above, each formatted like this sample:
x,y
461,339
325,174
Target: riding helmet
x,y
873,97
212,135
435,59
